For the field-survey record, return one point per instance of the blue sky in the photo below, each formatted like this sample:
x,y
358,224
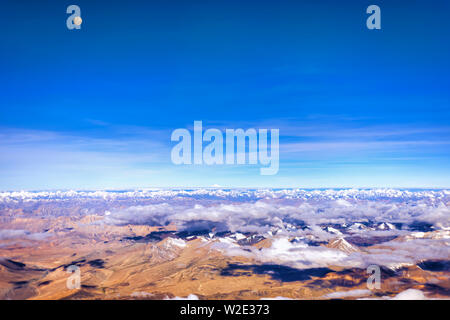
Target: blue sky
x,y
94,108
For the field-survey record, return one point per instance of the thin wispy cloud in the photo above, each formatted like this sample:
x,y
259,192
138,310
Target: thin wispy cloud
x,y
117,153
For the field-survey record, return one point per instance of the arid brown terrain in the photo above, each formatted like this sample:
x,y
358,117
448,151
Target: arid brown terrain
x,y
41,239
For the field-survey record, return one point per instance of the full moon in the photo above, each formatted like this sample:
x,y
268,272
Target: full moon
x,y
77,21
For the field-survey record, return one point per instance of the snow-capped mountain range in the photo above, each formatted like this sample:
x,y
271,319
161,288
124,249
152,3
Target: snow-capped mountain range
x,y
216,193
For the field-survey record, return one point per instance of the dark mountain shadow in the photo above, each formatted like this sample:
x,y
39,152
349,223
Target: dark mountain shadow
x,y
277,272
420,226
435,265
369,241
155,236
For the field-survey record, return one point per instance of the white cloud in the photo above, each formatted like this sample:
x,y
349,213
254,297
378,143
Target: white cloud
x,y
277,298
7,234
189,297
348,294
260,215
410,294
